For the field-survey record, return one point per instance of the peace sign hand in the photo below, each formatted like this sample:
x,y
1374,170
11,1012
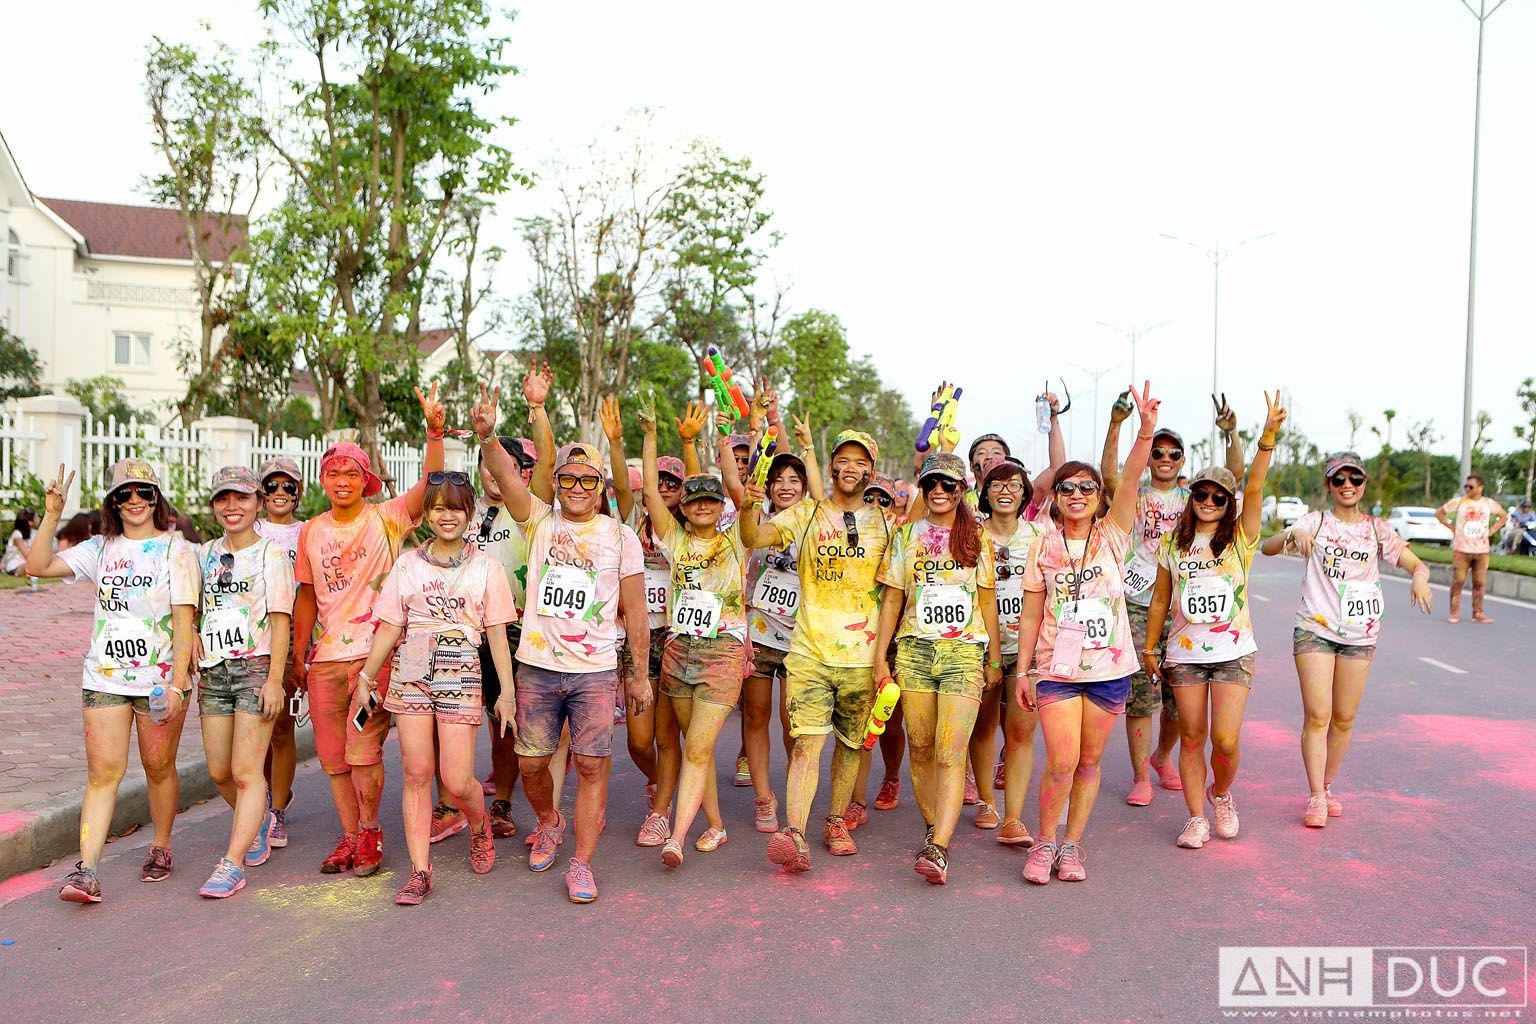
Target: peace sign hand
x,y
58,493
803,429
1226,419
432,410
483,416
1146,407
1276,415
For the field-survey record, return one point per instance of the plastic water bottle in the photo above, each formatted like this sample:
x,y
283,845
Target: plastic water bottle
x,y
159,705
1042,414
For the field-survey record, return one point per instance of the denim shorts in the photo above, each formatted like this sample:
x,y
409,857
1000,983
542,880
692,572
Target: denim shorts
x,y
951,667
1109,694
232,685
1304,641
547,700
767,661
826,699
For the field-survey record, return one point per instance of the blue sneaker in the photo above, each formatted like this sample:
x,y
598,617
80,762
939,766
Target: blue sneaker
x,y
260,849
546,843
225,881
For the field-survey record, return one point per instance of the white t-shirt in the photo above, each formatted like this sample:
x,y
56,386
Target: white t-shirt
x,y
285,535
1341,596
1011,558
239,596
1157,512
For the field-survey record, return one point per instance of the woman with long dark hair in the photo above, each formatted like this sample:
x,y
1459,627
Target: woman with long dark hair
x,y
20,541
1202,574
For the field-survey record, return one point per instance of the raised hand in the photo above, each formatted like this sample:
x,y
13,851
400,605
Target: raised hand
x,y
537,383
725,419
760,403
484,415
432,410
755,495
803,430
613,425
1226,419
57,493
1275,416
1146,407
1121,410
647,415
692,423
1053,401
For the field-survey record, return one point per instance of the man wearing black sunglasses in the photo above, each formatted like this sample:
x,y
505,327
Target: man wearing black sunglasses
x,y
1473,520
842,542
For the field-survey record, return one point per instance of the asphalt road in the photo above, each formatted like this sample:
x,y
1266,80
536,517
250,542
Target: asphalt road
x,y
1433,849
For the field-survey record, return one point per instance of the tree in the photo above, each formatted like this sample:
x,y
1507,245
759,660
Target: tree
x,y
813,357
21,373
102,396
1421,436
465,290
200,108
1480,439
1526,431
1356,421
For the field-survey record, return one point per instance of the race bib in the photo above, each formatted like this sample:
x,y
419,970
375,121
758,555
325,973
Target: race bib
x,y
658,584
1010,601
566,592
1207,599
697,613
1361,604
1096,618
942,610
1139,575
125,644
226,634
1474,529
777,593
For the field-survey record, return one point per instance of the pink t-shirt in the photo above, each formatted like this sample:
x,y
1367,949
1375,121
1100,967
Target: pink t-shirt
x,y
1157,512
347,565
571,619
469,597
1472,520
1094,566
285,536
1341,596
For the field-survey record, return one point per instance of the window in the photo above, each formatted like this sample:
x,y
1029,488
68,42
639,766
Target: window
x,y
12,254
130,349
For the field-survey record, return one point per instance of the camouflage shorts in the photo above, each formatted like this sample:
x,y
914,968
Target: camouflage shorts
x,y
233,685
828,699
941,666
1238,670
710,670
1147,696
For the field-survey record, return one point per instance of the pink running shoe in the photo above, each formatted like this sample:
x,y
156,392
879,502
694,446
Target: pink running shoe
x,y
1140,794
488,784
1317,811
1000,776
766,814
788,849
889,795
1196,832
972,794
856,814
712,839
653,831
1069,863
672,853
1335,806
1226,814
482,851
1167,774
1041,859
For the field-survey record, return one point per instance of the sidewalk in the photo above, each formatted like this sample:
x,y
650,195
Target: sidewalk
x,y
44,636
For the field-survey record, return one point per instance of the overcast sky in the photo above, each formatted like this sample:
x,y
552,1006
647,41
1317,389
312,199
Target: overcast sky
x,y
970,186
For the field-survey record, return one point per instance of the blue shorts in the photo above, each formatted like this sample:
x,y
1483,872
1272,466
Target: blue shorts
x,y
547,701
1109,694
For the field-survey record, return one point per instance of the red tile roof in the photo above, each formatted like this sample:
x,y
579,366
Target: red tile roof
x,y
152,232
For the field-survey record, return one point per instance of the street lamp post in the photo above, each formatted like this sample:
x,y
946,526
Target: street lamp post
x,y
1482,12
1218,255
1133,334
1096,375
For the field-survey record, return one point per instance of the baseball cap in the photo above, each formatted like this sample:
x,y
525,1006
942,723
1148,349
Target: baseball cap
x,y
281,464
671,465
578,453
1221,476
881,482
701,486
1343,460
131,471
970,455
636,479
738,441
239,479
348,450
858,437
1173,435
945,464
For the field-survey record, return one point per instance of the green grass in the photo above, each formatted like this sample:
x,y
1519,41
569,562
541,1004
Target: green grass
x,y
9,582
1521,564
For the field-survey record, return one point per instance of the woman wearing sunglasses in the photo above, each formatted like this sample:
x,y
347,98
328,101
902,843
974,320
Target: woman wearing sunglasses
x,y
242,646
939,605
1005,491
1074,632
282,487
1203,565
437,603
146,617
1339,619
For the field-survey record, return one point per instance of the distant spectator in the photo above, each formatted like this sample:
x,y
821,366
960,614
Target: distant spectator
x,y
80,528
1522,534
186,527
21,540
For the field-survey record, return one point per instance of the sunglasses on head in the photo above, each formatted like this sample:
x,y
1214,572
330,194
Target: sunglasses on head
x,y
570,482
1210,495
1168,453
878,498
1083,487
144,493
942,483
851,527
286,486
1341,478
438,477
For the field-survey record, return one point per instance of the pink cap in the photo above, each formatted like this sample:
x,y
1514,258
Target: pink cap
x,y
348,450
671,465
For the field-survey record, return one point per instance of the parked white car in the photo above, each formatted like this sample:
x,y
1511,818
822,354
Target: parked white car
x,y
1286,509
1418,522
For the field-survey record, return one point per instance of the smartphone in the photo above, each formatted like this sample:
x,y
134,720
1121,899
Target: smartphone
x,y
365,709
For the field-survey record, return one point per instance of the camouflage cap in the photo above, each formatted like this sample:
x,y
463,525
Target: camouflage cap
x,y
233,478
131,470
858,437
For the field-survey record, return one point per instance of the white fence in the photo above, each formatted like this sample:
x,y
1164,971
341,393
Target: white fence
x,y
18,451
179,455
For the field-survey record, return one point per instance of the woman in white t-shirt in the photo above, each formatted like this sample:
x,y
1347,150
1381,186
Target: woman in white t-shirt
x,y
20,541
147,585
282,488
1339,619
1073,630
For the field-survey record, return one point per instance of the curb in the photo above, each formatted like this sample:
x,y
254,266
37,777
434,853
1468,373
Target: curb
x,y
38,834
1509,585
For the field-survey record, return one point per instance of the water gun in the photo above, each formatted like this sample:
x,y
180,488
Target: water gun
x,y
727,391
885,707
762,456
941,419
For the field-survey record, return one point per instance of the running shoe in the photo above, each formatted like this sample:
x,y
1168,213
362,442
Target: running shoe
x,y
650,794
482,852
488,784
277,836
1317,811
80,886
788,849
580,886
972,794
933,864
1013,833
157,866
1000,776
1069,863
1453,618
672,852
1140,794
767,814
225,881
415,889
889,795
856,814
927,834
447,821
1041,859
986,816
370,851
341,858
1225,824
653,831
1481,619
546,840
712,839
261,846
1167,774
1335,805
1197,832
834,835
743,772
502,825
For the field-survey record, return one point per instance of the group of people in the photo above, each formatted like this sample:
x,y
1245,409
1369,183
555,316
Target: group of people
x,y
563,600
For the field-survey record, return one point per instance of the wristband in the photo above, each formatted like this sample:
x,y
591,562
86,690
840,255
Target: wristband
x,y
1148,654
1145,437
434,437
995,663
1266,447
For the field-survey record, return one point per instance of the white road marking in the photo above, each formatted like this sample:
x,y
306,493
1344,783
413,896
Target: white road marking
x,y
1260,597
1442,665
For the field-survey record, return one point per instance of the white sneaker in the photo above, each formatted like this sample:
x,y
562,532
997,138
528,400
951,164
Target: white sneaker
x,y
1196,832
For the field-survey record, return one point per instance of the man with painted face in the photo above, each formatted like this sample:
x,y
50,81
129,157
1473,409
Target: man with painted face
x,y
584,571
1159,504
842,542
